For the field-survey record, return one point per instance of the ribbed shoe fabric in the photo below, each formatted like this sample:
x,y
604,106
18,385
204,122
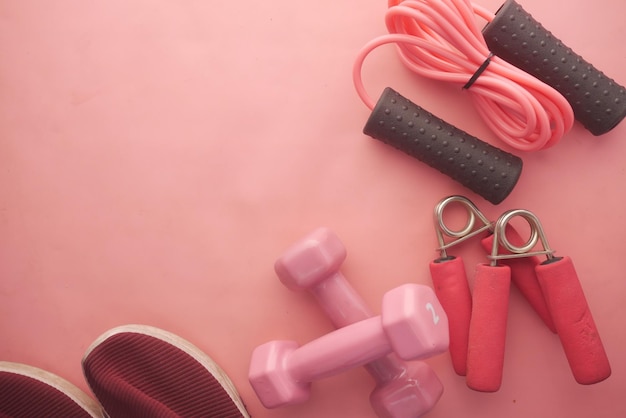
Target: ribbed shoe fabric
x,y
137,371
29,392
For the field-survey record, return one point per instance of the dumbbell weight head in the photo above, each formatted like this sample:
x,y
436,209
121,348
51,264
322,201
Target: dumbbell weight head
x,y
409,395
313,264
415,322
311,261
273,385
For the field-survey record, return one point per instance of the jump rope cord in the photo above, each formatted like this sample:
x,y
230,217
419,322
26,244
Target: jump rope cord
x,y
441,40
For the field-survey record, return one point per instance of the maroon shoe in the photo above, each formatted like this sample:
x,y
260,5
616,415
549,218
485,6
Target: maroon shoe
x,y
140,371
27,392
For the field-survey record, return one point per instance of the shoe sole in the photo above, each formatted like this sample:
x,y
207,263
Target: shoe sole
x,y
187,347
79,397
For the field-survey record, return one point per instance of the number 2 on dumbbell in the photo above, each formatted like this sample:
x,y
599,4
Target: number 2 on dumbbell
x,y
431,309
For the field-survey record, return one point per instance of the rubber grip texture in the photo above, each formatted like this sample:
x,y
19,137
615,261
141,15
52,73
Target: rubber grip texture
x,y
487,334
452,290
486,170
574,323
599,103
523,275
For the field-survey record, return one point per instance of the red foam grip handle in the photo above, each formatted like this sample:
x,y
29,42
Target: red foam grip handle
x,y
452,290
523,275
487,334
574,323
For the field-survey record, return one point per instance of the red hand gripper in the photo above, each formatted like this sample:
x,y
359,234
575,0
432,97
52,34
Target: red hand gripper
x,y
477,320
564,297
450,280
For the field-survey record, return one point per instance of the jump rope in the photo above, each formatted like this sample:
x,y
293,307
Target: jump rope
x,y
441,40
527,86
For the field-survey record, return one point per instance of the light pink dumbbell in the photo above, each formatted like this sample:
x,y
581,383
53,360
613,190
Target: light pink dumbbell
x,y
402,390
412,324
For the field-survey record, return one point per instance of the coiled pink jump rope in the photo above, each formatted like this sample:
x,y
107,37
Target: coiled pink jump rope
x,y
441,40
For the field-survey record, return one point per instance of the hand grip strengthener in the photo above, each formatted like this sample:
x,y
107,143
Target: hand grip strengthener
x,y
564,297
449,277
450,280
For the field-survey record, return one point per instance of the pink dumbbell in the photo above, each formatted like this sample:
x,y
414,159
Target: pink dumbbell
x,y
402,390
412,324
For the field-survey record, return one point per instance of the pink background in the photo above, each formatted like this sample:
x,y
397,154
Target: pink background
x,y
157,156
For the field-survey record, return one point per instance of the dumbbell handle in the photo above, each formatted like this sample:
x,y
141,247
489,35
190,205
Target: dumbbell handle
x,y
340,350
413,325
339,300
344,306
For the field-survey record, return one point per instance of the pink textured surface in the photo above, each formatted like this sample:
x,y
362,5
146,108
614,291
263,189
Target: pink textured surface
x,y
158,156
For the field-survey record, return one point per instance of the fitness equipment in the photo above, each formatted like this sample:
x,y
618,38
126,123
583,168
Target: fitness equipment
x,y
486,170
564,297
487,331
413,325
598,102
527,86
477,321
403,390
523,274
450,282
442,40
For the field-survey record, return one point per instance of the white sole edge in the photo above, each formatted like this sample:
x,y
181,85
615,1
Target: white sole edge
x,y
79,397
196,353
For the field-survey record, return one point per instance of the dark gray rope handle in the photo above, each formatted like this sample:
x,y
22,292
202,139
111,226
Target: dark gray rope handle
x,y
486,170
599,103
